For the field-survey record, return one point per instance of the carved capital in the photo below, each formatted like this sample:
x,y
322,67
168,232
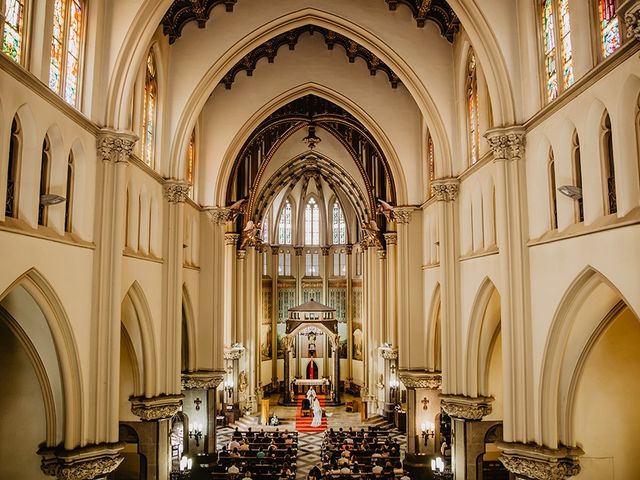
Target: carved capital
x,y
275,249
176,191
403,214
507,143
83,463
631,13
325,250
391,238
115,146
231,238
156,408
466,408
382,253
348,248
388,353
220,215
540,463
233,353
298,250
203,380
429,380
446,189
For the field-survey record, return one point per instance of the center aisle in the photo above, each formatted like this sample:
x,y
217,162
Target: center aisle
x,y
303,424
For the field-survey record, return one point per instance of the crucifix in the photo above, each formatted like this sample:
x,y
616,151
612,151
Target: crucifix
x,y
197,401
392,368
425,403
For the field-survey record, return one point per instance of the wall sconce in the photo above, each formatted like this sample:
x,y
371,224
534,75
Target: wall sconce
x,y
185,464
571,191
197,403
196,434
437,465
428,430
228,387
394,386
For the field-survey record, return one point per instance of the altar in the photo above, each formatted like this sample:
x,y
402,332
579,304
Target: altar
x,y
301,385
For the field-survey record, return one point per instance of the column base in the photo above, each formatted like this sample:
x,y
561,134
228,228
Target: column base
x,y
419,466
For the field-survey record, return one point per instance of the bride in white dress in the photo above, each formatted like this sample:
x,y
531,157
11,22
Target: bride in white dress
x,y
317,413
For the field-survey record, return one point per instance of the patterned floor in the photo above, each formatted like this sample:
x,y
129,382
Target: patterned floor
x,y
309,444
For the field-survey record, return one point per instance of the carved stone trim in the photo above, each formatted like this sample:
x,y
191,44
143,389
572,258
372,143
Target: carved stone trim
x,y
83,463
403,214
115,146
201,380
631,18
389,353
540,463
507,143
429,380
391,238
176,191
382,254
325,250
231,238
233,353
348,248
446,189
298,250
275,249
221,215
466,408
241,254
156,408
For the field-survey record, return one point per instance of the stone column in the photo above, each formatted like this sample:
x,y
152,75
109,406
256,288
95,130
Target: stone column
x,y
232,357
206,383
423,408
512,231
114,149
241,294
299,273
274,315
467,432
325,274
230,242
287,344
349,313
390,357
391,334
175,192
335,349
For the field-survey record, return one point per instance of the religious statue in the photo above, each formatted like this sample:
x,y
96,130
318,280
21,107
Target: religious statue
x,y
242,382
386,209
250,234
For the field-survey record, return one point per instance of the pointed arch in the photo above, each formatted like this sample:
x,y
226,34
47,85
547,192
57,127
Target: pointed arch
x,y
45,297
484,327
608,165
189,328
581,316
434,332
137,321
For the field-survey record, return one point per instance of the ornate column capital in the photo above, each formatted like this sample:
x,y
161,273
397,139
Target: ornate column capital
x,y
631,13
298,250
83,463
233,353
382,253
507,143
275,249
176,191
445,189
115,146
466,408
403,214
390,238
540,463
220,215
241,254
156,408
325,250
202,379
388,353
348,248
231,238
431,380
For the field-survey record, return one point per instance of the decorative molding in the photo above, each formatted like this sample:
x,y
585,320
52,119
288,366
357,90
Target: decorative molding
x,y
241,254
348,248
429,380
156,408
382,253
631,12
403,214
391,238
325,250
275,249
388,353
115,146
82,463
438,11
203,380
507,143
221,215
466,408
233,353
176,191
540,463
298,249
182,12
445,189
231,238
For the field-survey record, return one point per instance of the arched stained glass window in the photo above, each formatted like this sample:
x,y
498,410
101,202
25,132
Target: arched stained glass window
x,y
149,111
473,122
68,207
432,164
558,52
265,228
284,226
312,223
609,27
13,30
339,226
64,68
191,162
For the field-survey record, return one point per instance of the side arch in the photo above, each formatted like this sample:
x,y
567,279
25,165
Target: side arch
x,y
434,331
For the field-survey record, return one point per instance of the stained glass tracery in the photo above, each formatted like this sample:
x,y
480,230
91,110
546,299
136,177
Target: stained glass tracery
x,y
284,225
150,107
565,42
472,109
312,223
609,27
339,226
550,61
13,29
64,67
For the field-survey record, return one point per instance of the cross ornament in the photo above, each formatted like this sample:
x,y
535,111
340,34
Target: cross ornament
x,y
197,401
425,403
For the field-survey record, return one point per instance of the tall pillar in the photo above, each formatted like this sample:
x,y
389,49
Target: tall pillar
x,y
512,233
335,349
349,313
423,408
299,273
287,345
325,274
391,334
230,242
175,192
274,315
232,357
205,384
240,301
391,386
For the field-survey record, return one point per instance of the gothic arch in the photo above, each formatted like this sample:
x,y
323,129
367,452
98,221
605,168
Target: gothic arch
x,y
434,330
43,294
482,333
189,324
581,317
137,321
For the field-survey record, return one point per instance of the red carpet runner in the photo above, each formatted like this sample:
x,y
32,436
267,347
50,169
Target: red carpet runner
x,y
303,424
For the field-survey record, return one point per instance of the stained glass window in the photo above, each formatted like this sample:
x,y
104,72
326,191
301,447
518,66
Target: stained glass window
x,y
284,226
472,109
64,68
609,27
550,61
265,228
432,163
558,51
565,42
339,225
191,157
13,29
312,223
150,107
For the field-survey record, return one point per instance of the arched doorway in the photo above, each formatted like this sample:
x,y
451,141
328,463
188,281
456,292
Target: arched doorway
x,y
312,370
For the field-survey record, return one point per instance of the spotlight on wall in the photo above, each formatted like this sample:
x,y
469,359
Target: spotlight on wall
x,y
51,199
428,430
195,432
571,191
394,386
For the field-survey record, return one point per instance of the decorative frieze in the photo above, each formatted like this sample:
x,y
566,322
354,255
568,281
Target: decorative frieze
x,y
429,380
85,463
507,143
325,250
298,250
631,12
231,238
233,353
275,249
203,380
466,408
348,248
540,463
221,215
114,146
391,238
241,254
176,191
403,214
446,189
156,408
